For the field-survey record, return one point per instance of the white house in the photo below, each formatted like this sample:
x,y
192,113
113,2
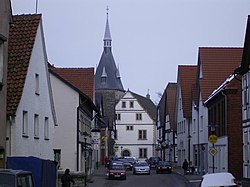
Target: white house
x,y
185,80
72,90
29,103
135,126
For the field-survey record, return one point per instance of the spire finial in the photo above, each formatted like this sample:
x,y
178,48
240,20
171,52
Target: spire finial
x,y
107,10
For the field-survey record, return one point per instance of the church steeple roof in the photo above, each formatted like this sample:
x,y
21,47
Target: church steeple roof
x,y
107,35
107,74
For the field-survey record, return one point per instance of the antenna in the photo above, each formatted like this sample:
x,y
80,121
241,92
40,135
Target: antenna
x,y
36,5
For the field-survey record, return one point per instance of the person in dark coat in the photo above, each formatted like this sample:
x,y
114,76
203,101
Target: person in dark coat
x,y
67,179
185,166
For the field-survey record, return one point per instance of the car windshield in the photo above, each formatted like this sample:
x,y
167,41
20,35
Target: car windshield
x,y
117,167
162,163
7,180
141,164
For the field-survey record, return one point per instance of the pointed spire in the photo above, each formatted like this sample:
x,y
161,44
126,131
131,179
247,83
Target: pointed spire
x,y
107,36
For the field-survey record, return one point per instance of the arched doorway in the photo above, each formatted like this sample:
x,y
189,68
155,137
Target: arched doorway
x,y
126,153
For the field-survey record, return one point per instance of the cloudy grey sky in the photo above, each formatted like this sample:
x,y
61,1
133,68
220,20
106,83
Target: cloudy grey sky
x,y
150,37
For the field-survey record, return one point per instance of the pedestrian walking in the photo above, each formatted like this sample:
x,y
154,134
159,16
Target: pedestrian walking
x,y
185,166
67,179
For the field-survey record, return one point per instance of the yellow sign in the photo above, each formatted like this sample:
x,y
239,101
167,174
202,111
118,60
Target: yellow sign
x,y
213,139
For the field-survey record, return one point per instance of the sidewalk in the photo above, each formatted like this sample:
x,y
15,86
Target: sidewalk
x,y
98,178
193,179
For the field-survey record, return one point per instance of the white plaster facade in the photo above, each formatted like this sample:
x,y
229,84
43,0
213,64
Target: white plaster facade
x,y
128,128
182,129
35,101
66,101
199,136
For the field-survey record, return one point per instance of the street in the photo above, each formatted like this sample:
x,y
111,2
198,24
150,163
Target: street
x,y
159,180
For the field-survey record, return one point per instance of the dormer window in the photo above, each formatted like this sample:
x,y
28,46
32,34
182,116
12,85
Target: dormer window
x,y
123,104
104,76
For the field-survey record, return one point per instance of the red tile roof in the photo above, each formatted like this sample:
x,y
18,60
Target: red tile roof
x,y
80,78
186,78
21,40
216,65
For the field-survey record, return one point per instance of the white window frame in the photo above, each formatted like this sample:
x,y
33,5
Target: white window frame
x,y
37,84
36,126
142,134
25,124
46,128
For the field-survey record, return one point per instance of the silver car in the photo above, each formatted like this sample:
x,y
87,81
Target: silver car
x,y
141,167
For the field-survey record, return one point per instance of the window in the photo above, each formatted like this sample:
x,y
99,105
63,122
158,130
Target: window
x,y
117,116
131,104
138,116
25,124
1,62
37,84
201,123
2,40
36,126
57,157
129,127
142,135
123,104
143,153
46,128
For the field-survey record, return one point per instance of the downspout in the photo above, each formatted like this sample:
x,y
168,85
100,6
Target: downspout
x,y
77,142
225,96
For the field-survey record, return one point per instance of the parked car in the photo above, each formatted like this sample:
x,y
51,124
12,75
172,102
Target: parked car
x,y
218,180
131,160
141,167
16,178
153,161
116,170
126,163
164,167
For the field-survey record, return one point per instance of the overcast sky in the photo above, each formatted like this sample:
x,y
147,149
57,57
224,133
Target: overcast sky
x,y
150,38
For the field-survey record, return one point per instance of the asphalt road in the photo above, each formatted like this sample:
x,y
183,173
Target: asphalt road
x,y
152,180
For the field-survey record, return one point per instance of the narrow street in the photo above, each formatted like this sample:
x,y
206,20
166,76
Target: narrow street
x,y
160,180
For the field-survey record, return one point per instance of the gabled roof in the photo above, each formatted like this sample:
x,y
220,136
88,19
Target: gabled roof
x,y
171,99
215,65
80,78
167,105
186,78
146,104
21,40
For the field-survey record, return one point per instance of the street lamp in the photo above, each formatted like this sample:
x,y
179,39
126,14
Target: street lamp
x,y
85,134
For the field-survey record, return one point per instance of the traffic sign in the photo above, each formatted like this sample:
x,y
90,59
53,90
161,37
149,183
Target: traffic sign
x,y
213,139
212,151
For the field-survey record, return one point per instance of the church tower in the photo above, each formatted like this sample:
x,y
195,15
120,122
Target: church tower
x,y
108,90
107,74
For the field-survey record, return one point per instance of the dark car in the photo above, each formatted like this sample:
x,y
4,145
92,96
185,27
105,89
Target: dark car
x,y
126,163
116,171
16,178
164,167
153,161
